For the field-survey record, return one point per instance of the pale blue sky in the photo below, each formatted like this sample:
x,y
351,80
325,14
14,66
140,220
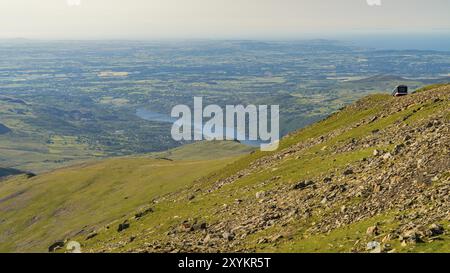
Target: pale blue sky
x,y
181,19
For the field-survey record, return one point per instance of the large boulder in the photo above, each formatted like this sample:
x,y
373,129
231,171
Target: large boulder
x,y
125,225
55,246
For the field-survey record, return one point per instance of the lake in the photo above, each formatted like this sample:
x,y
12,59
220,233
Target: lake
x,y
165,118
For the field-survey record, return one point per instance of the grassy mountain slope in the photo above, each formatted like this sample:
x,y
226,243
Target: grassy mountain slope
x,y
38,211
377,171
205,150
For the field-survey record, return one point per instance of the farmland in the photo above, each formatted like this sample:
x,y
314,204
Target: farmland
x,y
62,103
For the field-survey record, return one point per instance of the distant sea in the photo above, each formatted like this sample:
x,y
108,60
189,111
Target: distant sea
x,y
439,42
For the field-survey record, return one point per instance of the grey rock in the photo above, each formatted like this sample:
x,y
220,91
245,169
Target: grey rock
x,y
348,172
92,235
228,236
373,247
436,230
55,246
125,225
302,185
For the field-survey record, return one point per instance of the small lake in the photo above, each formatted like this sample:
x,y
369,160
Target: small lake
x,y
164,118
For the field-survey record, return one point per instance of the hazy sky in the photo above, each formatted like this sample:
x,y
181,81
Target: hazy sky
x,y
180,19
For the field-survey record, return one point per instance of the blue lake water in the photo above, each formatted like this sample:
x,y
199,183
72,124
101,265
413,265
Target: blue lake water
x,y
164,118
